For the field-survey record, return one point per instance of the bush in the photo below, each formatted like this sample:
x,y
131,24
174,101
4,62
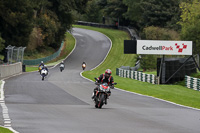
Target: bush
x,y
1,43
156,33
148,62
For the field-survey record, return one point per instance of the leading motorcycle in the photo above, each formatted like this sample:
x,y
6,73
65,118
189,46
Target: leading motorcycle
x,y
102,94
62,66
83,66
44,73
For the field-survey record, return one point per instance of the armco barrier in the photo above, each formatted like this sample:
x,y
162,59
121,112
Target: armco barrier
x,y
46,59
10,69
193,83
131,31
136,75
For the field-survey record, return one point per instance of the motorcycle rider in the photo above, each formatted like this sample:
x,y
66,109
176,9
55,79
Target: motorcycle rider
x,y
83,64
105,78
62,66
62,63
41,64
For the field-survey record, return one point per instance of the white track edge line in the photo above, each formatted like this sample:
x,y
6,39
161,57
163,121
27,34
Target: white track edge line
x,y
6,118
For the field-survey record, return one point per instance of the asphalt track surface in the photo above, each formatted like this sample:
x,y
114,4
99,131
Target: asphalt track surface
x,y
62,102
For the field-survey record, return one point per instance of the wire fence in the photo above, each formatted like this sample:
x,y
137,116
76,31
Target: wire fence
x,y
45,59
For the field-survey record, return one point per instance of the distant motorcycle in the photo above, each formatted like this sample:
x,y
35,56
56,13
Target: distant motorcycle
x,y
62,66
44,73
83,66
102,94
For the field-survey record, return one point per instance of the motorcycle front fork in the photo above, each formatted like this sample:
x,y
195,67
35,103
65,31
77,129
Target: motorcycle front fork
x,y
95,97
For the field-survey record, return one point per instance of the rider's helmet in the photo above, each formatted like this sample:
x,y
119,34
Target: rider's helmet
x,y
42,62
62,62
108,72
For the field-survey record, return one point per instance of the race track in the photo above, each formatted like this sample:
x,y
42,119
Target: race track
x,y
62,102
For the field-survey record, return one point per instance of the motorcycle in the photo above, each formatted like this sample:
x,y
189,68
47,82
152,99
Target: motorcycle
x,y
62,66
44,73
102,94
83,66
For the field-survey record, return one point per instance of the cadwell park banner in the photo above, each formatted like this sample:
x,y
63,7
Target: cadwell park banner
x,y
164,47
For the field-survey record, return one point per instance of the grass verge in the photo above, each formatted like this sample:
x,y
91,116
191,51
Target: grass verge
x,y
5,130
174,93
67,48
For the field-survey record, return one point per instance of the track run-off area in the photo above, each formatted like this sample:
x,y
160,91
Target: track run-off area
x,y
62,102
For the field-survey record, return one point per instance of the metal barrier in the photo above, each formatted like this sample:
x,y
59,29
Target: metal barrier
x,y
137,75
45,59
10,69
193,83
131,31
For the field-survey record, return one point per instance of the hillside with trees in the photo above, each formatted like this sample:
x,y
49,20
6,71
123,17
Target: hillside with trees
x,y
37,24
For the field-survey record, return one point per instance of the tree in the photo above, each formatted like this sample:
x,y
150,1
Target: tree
x,y
114,9
63,9
190,23
93,12
161,13
158,12
46,26
133,11
16,21
1,43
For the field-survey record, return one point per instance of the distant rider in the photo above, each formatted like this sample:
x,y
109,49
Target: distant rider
x,y
62,63
104,78
41,64
83,63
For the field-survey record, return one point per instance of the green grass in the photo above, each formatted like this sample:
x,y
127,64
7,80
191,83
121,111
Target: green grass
x,y
1,57
4,130
68,47
174,93
29,55
196,75
30,69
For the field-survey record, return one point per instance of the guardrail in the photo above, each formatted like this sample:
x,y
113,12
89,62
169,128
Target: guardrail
x,y
137,75
10,69
45,59
192,83
131,31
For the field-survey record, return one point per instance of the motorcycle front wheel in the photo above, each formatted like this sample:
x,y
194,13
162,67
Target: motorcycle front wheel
x,y
101,100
